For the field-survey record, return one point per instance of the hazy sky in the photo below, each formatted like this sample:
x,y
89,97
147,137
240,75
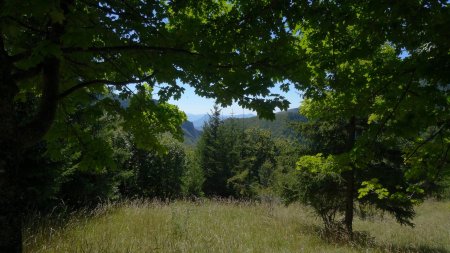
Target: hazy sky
x,y
194,104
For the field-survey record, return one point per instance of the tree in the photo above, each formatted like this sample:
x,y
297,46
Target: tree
x,y
67,51
213,152
156,175
193,177
371,96
236,162
254,169
91,153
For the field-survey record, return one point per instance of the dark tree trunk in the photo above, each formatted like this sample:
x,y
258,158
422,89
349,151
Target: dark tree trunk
x,y
16,136
13,141
349,177
10,202
10,199
349,206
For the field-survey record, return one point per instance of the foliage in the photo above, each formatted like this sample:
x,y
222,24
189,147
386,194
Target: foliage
x,y
317,184
280,127
78,179
214,151
91,154
43,179
384,79
67,52
193,177
63,171
287,153
237,162
156,175
255,168
367,101
373,154
374,64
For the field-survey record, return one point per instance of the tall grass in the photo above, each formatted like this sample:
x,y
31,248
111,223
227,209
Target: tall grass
x,y
225,226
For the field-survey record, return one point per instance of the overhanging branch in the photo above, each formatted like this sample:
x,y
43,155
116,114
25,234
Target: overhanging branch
x,y
128,48
29,73
103,81
32,132
68,50
427,140
396,106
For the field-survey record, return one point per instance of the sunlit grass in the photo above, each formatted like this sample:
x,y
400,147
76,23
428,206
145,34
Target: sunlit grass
x,y
221,226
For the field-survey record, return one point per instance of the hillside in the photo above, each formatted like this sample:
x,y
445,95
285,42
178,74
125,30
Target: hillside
x,y
191,134
199,120
279,127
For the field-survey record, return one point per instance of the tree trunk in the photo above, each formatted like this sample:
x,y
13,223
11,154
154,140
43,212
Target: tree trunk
x,y
10,205
349,177
349,206
10,199
15,136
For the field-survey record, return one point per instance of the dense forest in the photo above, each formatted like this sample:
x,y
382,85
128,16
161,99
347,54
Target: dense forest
x,y
229,158
86,118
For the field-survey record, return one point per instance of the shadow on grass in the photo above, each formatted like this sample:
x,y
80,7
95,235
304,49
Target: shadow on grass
x,y
363,241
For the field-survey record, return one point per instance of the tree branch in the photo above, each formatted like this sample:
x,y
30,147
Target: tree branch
x,y
26,26
128,48
430,138
39,126
36,129
20,56
400,100
29,73
120,48
102,81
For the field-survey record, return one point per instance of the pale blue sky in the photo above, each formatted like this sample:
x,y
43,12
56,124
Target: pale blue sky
x,y
193,104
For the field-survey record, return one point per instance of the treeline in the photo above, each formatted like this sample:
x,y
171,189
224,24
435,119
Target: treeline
x,y
134,173
228,161
240,162
93,163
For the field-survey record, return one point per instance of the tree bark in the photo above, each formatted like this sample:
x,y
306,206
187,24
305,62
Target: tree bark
x,y
349,177
15,137
10,195
349,206
10,200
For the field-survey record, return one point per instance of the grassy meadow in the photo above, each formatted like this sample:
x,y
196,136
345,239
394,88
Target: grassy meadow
x,y
226,226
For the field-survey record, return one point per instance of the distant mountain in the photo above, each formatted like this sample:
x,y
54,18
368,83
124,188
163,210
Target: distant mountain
x,y
191,134
193,117
199,119
280,127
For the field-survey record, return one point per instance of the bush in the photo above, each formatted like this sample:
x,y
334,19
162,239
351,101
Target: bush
x,y
316,185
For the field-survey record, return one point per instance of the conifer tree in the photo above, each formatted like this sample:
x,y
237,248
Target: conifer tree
x,y
212,157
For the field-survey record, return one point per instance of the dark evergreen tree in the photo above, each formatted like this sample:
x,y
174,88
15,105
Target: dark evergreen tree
x,y
254,170
156,175
212,158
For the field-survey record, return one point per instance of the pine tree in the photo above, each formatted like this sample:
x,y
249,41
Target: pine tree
x,y
212,156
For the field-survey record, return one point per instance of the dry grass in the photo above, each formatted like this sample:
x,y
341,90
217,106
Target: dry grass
x,y
220,226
